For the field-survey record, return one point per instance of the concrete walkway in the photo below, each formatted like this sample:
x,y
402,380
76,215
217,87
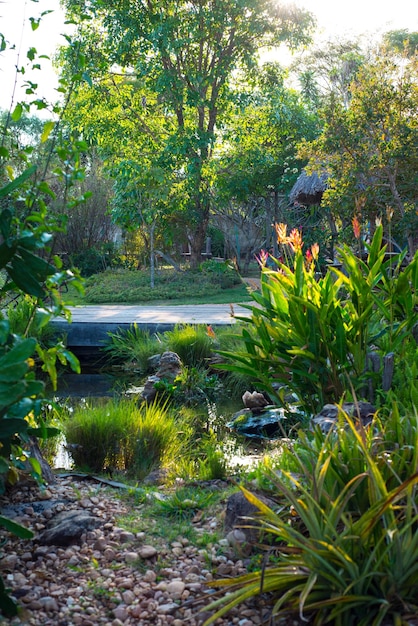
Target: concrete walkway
x,y
91,324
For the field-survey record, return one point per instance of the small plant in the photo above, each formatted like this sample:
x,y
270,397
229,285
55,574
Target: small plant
x,y
184,503
133,347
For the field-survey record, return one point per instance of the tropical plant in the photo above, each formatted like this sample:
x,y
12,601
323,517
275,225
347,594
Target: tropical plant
x,y
311,335
344,532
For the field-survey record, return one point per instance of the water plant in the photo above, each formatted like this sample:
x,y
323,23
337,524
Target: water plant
x,y
120,435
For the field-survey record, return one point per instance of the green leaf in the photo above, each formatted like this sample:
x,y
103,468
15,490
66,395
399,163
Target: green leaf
x,y
48,126
11,426
17,182
46,432
24,279
17,112
15,528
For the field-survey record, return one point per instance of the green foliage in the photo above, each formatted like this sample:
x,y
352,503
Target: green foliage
x,y
221,272
161,126
312,335
133,348
133,287
367,146
193,343
344,530
184,503
94,260
119,435
193,387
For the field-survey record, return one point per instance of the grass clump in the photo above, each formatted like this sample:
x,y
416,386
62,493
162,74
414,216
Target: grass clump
x,y
133,348
120,435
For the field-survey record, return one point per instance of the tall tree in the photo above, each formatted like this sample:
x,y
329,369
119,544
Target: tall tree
x,y
186,52
370,148
258,163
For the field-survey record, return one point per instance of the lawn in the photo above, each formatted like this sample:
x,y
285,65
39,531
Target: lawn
x,y
171,288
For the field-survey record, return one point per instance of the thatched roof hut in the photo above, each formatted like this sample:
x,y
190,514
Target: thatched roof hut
x,y
309,188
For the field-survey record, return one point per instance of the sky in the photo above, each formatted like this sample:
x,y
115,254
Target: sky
x,y
336,18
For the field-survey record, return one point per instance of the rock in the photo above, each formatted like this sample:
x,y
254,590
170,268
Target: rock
x,y
254,401
238,509
147,552
362,412
175,589
169,368
67,527
264,424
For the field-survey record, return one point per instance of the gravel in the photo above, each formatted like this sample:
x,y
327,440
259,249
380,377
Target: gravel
x,y
112,576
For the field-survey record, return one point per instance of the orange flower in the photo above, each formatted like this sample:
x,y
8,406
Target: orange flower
x,y
295,240
281,232
356,227
315,250
210,332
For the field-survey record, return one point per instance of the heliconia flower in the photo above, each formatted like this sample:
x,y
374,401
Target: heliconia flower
x,y
281,232
315,250
295,240
389,213
262,258
308,257
356,227
378,221
210,332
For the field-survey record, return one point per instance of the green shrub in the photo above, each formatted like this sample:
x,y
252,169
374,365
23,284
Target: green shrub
x,y
345,531
221,272
193,343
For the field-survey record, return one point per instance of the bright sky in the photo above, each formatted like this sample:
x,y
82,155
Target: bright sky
x,y
335,18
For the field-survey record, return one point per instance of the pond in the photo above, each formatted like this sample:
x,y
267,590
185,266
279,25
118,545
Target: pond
x,y
94,388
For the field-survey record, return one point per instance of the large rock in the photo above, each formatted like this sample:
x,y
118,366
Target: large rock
x,y
238,510
169,368
361,412
67,527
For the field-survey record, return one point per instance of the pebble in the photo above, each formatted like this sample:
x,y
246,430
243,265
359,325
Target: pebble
x,y
101,580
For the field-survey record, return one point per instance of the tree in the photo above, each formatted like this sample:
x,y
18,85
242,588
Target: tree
x,y
258,161
328,69
186,54
369,148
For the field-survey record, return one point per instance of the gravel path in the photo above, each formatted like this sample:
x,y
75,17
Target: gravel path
x,y
112,576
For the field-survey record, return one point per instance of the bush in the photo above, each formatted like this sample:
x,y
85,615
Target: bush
x,y
221,272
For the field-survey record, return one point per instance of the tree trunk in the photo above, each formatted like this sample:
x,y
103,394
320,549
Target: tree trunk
x,y
198,237
152,257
